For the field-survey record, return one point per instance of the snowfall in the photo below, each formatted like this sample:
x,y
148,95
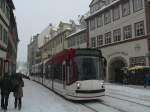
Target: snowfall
x,y
119,98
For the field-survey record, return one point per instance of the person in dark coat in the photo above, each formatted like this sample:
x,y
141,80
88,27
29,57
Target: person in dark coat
x,y
146,79
18,94
5,91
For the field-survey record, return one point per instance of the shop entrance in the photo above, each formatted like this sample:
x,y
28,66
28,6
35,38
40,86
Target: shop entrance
x,y
115,72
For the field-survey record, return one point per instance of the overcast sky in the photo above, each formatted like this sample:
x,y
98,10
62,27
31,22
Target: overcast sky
x,y
33,16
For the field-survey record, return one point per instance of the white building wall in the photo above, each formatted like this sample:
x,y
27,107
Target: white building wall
x,y
125,51
128,49
44,34
120,23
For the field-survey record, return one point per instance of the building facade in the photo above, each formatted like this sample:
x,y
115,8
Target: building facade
x,y
121,29
58,42
8,37
78,38
33,51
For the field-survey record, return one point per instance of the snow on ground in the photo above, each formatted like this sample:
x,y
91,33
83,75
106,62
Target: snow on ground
x,y
39,99
129,98
130,90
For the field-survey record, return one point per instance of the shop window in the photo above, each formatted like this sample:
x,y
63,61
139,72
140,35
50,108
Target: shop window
x,y
137,61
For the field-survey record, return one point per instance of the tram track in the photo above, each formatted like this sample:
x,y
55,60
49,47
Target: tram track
x,y
120,110
94,110
129,96
128,101
104,104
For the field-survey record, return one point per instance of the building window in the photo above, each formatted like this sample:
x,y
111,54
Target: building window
x,y
1,1
92,24
69,43
7,12
107,17
3,5
107,2
126,8
137,61
139,29
117,35
137,5
5,37
127,32
99,40
95,7
100,21
93,42
82,38
1,32
116,13
77,40
85,37
108,38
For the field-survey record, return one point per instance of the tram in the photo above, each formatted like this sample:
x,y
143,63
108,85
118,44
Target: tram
x,y
75,74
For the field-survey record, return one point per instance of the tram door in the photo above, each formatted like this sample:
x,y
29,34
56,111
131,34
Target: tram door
x,y
64,75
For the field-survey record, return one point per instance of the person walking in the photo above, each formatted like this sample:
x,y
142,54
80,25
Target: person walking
x,y
145,80
18,94
5,91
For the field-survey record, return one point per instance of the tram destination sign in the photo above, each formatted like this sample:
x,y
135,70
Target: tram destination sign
x,y
88,52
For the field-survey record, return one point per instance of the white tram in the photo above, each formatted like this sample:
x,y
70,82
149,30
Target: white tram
x,y
74,73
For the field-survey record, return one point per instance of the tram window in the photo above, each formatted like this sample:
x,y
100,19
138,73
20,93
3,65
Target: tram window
x,y
64,73
67,63
58,72
87,68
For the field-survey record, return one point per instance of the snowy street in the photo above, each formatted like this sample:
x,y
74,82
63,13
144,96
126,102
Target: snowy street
x,y
118,99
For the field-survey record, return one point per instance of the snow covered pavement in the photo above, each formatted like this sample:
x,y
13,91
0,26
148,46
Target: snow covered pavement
x,y
118,99
39,99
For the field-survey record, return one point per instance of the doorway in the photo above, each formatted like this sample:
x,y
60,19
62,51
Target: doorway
x,y
115,72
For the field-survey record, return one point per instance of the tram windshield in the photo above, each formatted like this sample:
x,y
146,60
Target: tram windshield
x,y
87,68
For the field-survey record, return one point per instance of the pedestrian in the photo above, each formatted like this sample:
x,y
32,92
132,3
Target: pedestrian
x,y
5,91
18,94
146,80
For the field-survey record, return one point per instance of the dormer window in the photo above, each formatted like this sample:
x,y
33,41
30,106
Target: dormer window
x,y
106,2
96,6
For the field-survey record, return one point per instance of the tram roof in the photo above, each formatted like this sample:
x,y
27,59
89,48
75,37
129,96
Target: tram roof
x,y
64,55
70,53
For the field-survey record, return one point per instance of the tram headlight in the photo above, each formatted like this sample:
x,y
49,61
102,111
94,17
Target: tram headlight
x,y
102,85
78,85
